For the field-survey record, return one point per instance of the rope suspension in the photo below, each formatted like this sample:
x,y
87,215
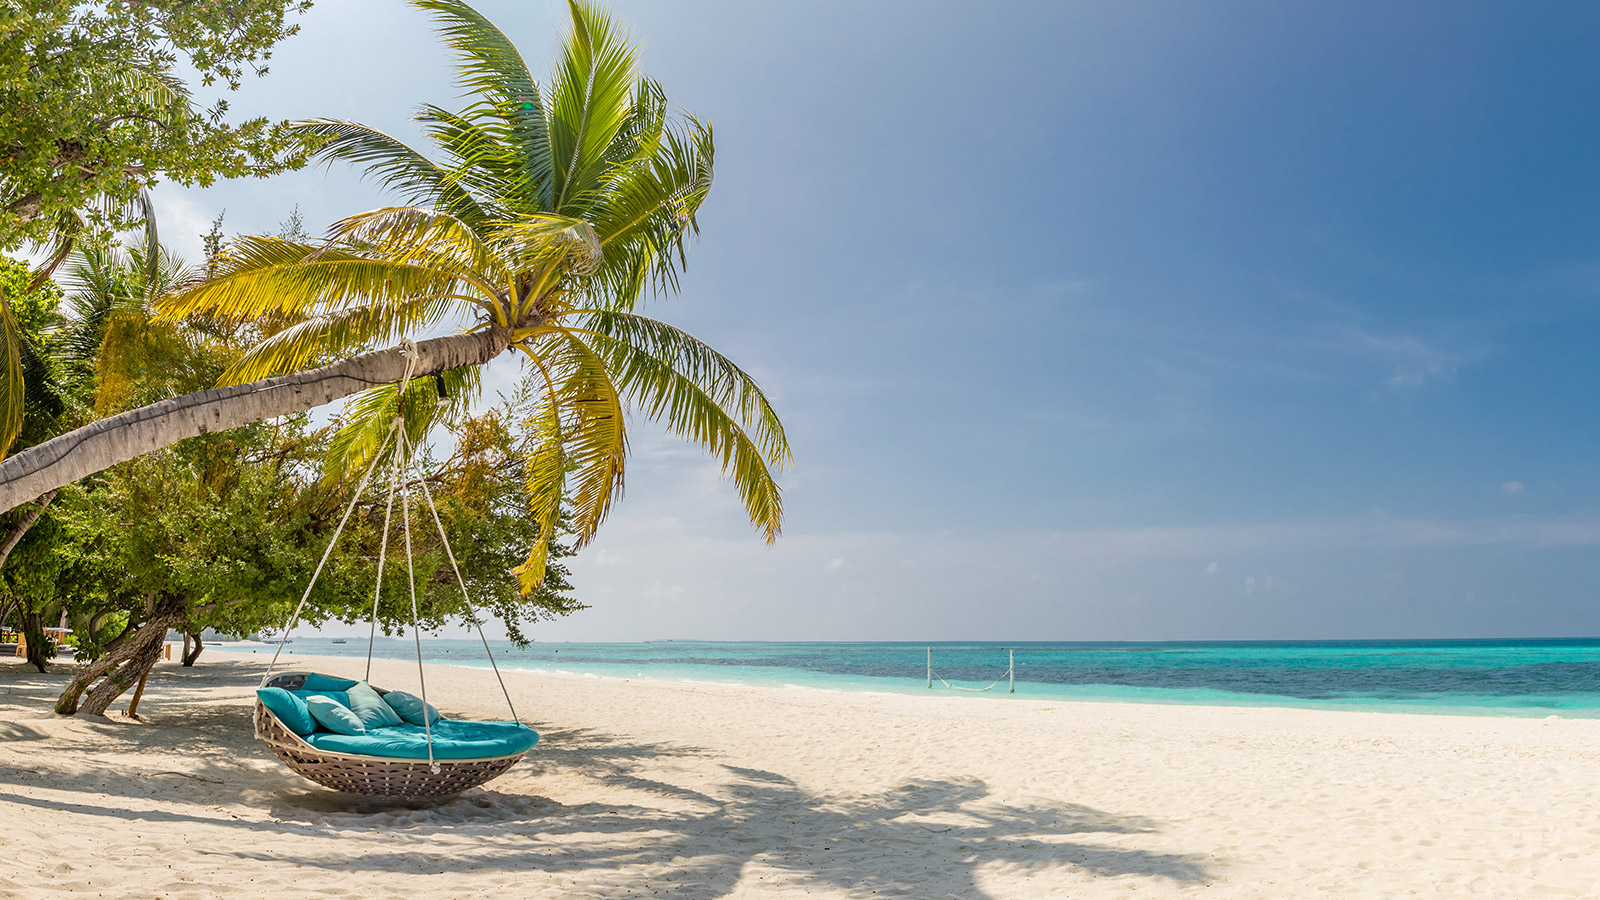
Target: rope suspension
x,y
401,487
360,488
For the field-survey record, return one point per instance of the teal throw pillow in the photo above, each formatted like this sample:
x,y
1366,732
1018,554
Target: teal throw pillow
x,y
369,707
409,706
334,716
316,682
289,709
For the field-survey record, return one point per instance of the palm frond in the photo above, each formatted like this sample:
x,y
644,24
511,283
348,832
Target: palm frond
x,y
265,275
589,100
477,151
332,335
678,380
491,67
13,405
593,429
641,133
646,212
544,471
639,351
394,165
157,91
365,419
97,289
416,236
548,240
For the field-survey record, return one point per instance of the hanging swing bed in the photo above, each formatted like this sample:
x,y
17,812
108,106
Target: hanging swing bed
x,y
351,736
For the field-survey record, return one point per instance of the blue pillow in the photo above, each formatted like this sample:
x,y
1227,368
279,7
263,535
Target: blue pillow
x,y
369,707
340,697
289,709
409,706
315,682
334,716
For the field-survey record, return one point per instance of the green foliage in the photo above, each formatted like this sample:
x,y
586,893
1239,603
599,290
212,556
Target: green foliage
x,y
35,310
92,109
92,112
231,526
545,213
220,522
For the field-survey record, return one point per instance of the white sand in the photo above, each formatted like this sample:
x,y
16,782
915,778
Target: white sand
x,y
645,788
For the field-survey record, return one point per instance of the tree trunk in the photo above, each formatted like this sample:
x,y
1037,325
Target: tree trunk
x,y
133,705
190,657
33,633
126,676
15,535
147,638
100,445
95,621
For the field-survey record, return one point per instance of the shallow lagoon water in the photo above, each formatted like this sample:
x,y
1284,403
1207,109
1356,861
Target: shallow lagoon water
x,y
1536,677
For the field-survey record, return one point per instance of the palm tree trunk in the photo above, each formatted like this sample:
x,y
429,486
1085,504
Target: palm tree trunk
x,y
20,529
101,445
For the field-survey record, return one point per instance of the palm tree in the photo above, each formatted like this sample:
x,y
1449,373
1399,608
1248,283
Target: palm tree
x,y
547,214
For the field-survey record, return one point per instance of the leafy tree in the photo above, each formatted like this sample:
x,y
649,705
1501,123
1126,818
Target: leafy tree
x,y
549,212
92,108
49,405
92,112
224,530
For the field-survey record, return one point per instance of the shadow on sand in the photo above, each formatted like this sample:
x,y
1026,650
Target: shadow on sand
x,y
927,838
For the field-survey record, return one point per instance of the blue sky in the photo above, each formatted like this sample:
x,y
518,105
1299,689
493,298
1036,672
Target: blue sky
x,y
1094,321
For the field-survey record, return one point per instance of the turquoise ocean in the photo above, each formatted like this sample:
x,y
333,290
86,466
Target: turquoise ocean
x,y
1472,677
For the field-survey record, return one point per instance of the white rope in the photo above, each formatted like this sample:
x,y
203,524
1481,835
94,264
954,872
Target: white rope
x,y
393,430
427,494
377,587
408,349
411,581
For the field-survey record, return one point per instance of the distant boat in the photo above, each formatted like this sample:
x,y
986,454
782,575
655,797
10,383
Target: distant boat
x,y
340,641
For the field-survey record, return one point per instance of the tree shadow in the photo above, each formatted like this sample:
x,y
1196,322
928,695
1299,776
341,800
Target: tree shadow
x,y
680,818
924,837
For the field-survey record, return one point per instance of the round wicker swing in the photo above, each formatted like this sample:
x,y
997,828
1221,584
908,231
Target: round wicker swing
x,y
370,774
374,775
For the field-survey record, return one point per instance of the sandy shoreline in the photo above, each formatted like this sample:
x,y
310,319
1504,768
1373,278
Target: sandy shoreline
x,y
706,791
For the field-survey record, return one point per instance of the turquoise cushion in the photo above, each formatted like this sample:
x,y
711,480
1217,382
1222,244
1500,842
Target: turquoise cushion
x,y
452,739
315,682
334,716
369,707
409,706
340,697
289,709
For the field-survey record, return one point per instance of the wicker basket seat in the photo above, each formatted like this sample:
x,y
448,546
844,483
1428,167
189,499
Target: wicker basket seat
x,y
406,774
452,739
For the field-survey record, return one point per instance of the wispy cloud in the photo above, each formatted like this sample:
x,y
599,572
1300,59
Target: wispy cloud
x,y
1413,362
